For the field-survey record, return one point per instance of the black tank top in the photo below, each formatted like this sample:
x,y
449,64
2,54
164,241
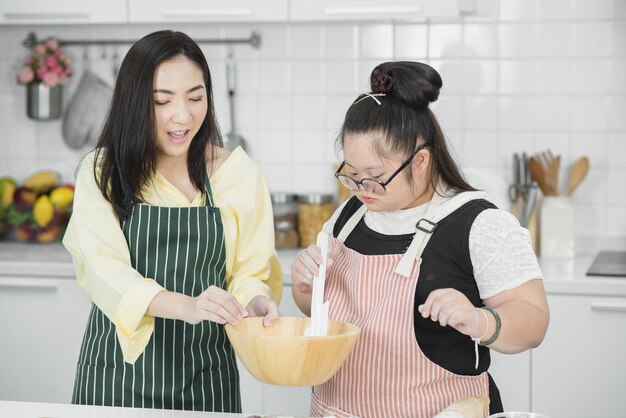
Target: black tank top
x,y
446,263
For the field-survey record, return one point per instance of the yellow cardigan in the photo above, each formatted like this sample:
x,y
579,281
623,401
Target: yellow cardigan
x,y
101,256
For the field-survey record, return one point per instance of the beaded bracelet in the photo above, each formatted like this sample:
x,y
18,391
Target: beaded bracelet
x,y
495,335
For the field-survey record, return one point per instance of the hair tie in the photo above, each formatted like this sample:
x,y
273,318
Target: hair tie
x,y
381,81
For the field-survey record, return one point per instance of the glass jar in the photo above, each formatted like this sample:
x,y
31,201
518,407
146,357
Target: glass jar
x,y
285,208
313,211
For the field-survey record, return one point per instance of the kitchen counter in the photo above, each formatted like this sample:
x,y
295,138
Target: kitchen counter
x,y
37,409
561,276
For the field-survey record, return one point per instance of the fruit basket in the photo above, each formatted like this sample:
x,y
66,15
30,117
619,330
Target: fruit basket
x,y
37,210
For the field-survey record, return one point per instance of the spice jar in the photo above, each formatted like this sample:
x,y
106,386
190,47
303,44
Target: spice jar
x,y
313,211
285,208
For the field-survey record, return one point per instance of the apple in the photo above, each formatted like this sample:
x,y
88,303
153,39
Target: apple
x,y
24,199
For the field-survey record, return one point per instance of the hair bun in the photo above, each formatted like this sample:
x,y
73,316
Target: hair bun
x,y
380,81
415,83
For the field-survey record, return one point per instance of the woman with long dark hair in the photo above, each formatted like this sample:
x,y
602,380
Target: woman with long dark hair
x,y
433,273
171,237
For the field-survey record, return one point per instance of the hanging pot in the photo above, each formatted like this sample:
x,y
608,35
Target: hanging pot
x,y
44,102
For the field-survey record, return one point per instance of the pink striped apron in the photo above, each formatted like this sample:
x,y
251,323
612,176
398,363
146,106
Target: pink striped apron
x,y
386,375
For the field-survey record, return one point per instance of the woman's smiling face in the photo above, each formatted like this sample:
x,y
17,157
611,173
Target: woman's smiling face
x,y
180,105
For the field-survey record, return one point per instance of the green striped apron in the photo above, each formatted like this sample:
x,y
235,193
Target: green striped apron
x,y
184,366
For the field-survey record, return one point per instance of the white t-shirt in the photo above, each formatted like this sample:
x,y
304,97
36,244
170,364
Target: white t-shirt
x,y
500,249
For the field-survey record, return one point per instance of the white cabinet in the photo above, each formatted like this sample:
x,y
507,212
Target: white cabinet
x,y
324,10
262,398
580,369
62,12
42,321
511,372
207,11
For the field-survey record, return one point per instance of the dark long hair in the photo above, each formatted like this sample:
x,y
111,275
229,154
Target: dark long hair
x,y
404,118
126,150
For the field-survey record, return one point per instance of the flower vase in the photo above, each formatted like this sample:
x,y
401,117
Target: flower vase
x,y
44,102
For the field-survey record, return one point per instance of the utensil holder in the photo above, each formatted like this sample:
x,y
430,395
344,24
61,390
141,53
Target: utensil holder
x,y
557,227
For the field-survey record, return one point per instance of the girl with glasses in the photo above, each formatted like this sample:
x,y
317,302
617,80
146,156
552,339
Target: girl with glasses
x,y
434,274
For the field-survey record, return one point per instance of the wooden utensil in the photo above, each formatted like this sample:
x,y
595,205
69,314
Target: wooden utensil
x,y
577,174
539,174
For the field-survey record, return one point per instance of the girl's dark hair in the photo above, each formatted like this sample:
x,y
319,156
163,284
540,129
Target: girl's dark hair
x,y
403,117
126,150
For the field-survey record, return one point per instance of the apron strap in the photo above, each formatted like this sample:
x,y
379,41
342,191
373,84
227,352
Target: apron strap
x,y
352,222
425,228
208,193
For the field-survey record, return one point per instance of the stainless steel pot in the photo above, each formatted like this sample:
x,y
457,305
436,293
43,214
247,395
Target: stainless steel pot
x,y
44,102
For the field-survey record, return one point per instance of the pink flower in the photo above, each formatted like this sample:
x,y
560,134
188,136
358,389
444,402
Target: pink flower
x,y
41,73
26,75
51,79
40,49
28,60
52,44
51,61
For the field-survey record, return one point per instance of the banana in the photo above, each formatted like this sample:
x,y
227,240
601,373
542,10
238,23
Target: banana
x,y
42,181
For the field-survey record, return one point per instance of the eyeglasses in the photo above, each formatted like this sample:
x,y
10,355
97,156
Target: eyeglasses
x,y
372,185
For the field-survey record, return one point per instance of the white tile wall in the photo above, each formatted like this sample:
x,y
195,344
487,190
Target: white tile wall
x,y
520,75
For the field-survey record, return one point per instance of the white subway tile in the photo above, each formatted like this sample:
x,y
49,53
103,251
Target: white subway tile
x,y
376,41
617,75
481,40
595,188
553,40
274,77
591,76
306,41
592,9
275,41
513,142
246,76
310,146
590,219
275,111
446,41
553,76
552,113
365,70
308,112
591,39
307,77
554,9
279,177
617,112
274,146
589,113
618,34
341,41
449,111
336,108
516,113
616,150
454,75
517,77
314,178
617,178
341,77
517,40
411,41
480,149
19,169
595,145
616,220
21,141
482,76
517,9
246,115
481,113
618,9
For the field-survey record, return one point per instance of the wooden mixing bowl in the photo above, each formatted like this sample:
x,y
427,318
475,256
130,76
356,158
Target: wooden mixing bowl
x,y
281,355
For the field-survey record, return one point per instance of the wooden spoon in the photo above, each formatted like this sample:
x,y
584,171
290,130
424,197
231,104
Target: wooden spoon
x,y
538,173
577,174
